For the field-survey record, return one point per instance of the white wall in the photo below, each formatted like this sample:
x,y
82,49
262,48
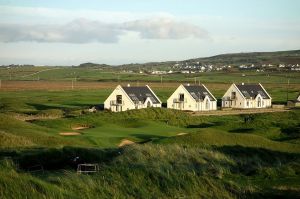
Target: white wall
x,y
126,105
241,102
189,103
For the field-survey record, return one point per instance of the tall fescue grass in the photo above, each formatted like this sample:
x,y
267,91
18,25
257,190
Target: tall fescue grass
x,y
156,171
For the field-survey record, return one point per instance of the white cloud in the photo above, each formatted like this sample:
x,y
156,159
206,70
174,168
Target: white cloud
x,y
86,31
77,31
165,28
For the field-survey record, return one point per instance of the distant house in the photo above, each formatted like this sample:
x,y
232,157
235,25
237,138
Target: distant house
x,y
127,98
159,72
294,103
246,96
192,98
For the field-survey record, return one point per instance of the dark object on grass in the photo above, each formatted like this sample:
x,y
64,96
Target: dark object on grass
x,y
87,168
248,118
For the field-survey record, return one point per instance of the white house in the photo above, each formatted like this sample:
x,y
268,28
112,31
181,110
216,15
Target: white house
x,y
192,98
246,96
294,103
127,98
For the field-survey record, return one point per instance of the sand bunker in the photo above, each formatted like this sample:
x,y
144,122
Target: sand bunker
x,y
179,134
125,142
80,127
69,133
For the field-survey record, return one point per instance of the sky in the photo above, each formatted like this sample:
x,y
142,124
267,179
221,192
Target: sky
x,y
70,32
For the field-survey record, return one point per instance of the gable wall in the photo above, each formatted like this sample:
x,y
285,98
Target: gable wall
x,y
189,103
241,102
127,105
238,103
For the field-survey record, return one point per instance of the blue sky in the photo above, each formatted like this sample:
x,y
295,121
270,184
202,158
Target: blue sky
x,y
67,32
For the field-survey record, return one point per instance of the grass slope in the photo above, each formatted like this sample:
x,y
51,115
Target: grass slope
x,y
158,171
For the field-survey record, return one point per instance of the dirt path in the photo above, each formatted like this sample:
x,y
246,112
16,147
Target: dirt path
x,y
238,112
40,72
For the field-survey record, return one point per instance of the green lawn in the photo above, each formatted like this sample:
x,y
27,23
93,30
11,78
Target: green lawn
x,y
218,157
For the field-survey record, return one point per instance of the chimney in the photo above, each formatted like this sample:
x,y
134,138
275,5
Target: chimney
x,y
128,85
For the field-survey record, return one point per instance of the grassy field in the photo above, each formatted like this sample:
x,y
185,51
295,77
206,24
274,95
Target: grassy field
x,y
176,155
104,75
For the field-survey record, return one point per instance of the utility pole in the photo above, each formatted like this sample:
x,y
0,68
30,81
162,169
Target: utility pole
x,y
72,84
161,79
0,84
195,80
287,90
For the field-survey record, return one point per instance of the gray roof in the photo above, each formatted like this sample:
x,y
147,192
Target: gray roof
x,y
140,94
252,90
198,92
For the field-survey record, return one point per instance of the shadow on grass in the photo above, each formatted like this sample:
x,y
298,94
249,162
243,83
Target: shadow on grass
x,y
250,160
205,125
147,138
64,158
82,105
276,194
242,130
41,107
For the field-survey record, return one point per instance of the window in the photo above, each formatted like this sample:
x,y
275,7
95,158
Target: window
x,y
207,105
119,99
181,97
247,103
233,95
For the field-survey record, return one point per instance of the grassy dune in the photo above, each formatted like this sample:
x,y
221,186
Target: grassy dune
x,y
157,171
208,138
